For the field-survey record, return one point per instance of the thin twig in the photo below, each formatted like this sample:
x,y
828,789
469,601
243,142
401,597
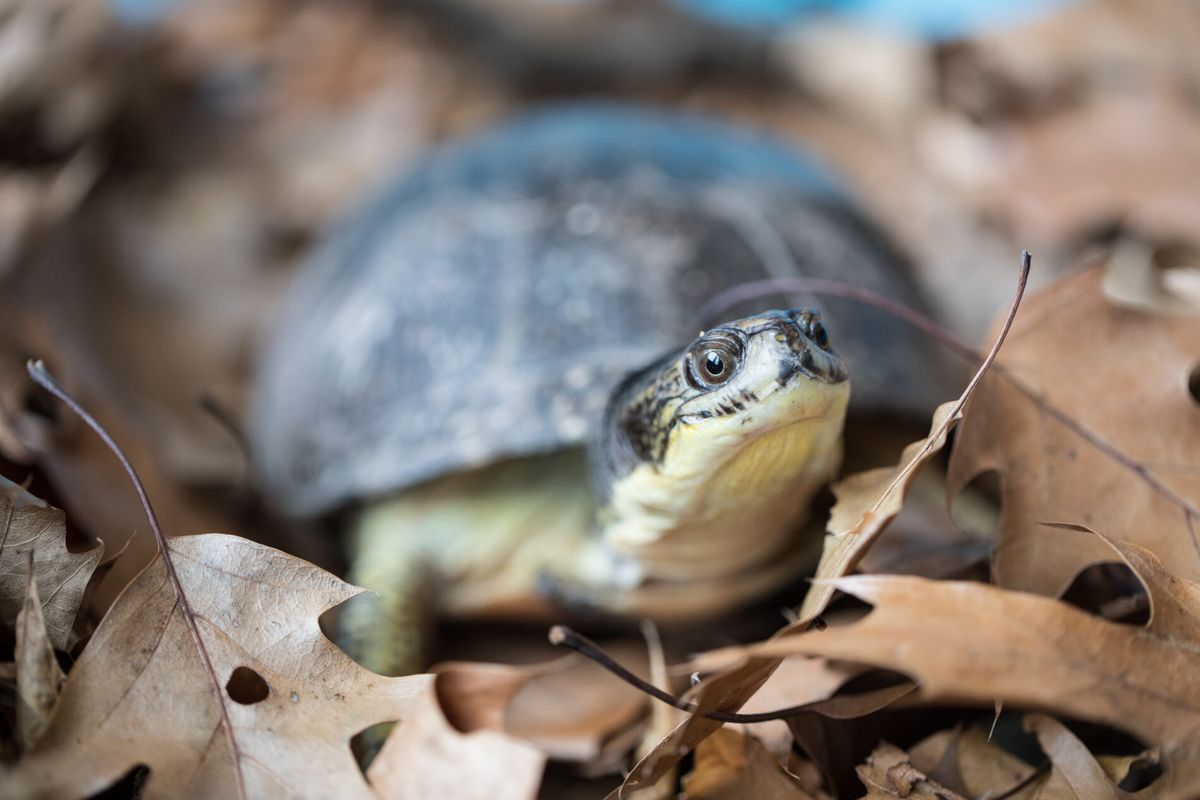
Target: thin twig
x,y
566,637
42,377
715,308
988,360
224,418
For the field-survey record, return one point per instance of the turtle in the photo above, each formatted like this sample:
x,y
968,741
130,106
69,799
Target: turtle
x,y
496,365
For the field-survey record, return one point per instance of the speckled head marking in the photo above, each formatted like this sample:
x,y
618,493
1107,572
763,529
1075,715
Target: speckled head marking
x,y
730,436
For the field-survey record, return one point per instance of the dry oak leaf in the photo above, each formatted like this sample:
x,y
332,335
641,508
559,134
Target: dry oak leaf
x,y
139,693
527,702
732,765
888,774
968,762
427,757
868,501
29,525
974,643
1088,419
1075,772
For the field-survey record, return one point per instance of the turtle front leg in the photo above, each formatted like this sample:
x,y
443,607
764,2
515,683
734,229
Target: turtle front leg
x,y
390,633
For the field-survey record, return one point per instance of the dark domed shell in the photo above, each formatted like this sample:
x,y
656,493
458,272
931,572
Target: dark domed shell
x,y
486,304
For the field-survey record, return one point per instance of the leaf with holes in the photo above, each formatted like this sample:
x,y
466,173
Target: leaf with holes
x,y
140,695
974,643
29,525
1088,419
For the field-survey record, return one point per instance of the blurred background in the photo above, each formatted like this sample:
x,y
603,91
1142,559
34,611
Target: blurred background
x,y
166,164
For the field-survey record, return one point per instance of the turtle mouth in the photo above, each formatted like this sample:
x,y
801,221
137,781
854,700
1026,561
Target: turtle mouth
x,y
798,354
800,362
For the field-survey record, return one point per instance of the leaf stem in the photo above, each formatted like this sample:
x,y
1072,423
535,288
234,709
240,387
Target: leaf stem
x,y
752,290
563,636
42,377
834,288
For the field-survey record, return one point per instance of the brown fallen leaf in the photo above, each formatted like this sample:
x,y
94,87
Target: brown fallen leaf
x,y
863,516
63,85
1075,771
888,773
974,643
139,693
29,526
968,762
662,718
1153,279
426,756
978,768
602,712
795,682
1088,419
868,501
39,678
731,765
475,695
1140,165
835,733
527,702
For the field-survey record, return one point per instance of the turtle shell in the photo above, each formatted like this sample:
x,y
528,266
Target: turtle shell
x,y
485,305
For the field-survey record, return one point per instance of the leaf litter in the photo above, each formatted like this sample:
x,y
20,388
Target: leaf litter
x,y
1108,388
256,610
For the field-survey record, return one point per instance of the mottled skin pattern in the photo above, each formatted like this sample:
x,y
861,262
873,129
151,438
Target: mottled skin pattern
x,y
648,404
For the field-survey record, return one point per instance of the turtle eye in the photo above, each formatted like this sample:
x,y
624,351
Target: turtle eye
x,y
712,364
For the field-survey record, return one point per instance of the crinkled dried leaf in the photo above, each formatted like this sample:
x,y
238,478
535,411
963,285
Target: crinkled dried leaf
x,y
834,733
729,689
602,710
969,763
39,678
527,702
1091,375
974,643
868,501
139,693
797,681
475,695
1075,771
425,756
731,765
29,525
888,773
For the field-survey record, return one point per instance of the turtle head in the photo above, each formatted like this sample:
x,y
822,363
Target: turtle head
x,y
709,457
